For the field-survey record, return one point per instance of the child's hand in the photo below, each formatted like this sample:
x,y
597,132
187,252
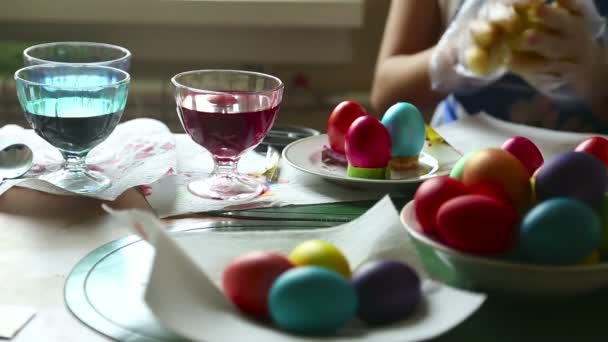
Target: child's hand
x,y
562,50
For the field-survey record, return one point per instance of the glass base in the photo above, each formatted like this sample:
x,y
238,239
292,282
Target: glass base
x,y
78,181
227,187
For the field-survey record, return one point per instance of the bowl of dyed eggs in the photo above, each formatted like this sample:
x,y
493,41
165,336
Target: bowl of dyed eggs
x,y
312,291
361,150
507,221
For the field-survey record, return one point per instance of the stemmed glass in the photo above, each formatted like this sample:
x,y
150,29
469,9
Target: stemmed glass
x,y
85,53
74,108
90,53
228,112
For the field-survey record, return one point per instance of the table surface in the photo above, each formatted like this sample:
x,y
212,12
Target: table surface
x,y
42,237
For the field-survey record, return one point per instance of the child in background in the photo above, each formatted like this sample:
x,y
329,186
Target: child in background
x,y
569,51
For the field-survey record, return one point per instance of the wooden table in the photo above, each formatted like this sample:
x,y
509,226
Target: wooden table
x,y
42,237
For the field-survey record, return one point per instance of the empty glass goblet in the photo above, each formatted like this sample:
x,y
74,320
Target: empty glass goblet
x,y
78,53
74,108
228,112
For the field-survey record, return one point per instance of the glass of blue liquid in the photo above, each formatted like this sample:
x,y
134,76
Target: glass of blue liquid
x,y
90,53
74,108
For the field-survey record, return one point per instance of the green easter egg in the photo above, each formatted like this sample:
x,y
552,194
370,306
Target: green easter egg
x,y
458,168
369,173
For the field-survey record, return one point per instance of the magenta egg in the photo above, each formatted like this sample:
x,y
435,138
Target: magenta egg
x,y
526,151
368,143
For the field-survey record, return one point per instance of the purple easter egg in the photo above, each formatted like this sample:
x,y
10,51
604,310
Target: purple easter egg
x,y
577,175
388,291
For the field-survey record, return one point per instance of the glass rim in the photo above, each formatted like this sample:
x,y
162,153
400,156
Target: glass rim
x,y
124,80
177,84
125,51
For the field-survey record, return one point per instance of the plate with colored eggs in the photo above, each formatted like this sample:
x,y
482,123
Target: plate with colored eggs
x,y
360,150
296,281
506,220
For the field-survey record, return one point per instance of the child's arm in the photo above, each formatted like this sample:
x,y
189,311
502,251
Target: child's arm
x,y
412,29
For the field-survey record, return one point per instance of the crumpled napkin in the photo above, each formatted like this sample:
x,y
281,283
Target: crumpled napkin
x,y
139,151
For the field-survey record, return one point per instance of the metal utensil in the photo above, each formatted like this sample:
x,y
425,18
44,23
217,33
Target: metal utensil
x,y
15,161
276,140
281,136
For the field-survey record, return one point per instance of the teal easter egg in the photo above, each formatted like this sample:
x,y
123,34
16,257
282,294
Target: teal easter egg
x,y
406,127
312,300
458,168
560,231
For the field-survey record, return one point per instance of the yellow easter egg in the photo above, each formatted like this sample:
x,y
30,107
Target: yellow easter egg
x,y
484,34
532,192
592,259
506,18
529,11
478,60
320,253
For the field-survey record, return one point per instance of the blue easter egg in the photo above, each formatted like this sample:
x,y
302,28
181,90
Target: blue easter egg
x,y
560,231
312,300
406,127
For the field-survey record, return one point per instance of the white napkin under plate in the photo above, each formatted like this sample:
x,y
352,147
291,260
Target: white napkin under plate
x,y
183,289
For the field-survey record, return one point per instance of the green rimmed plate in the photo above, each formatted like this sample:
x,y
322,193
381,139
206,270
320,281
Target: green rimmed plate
x,y
105,289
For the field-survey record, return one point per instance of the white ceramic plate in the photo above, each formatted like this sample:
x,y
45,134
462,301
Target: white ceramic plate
x,y
501,276
305,155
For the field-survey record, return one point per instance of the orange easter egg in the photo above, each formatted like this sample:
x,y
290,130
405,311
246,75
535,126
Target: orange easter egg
x,y
497,166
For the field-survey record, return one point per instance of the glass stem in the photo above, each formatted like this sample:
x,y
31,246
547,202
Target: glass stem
x,y
225,167
74,162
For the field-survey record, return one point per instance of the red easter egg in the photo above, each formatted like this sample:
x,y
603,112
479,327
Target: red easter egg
x,y
339,122
248,278
489,189
526,151
430,195
368,143
596,146
499,167
477,224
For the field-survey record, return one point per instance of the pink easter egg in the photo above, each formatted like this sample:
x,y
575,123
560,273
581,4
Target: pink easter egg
x,y
368,143
526,151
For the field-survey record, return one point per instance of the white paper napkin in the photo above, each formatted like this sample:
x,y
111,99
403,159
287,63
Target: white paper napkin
x,y
139,151
13,318
482,130
183,289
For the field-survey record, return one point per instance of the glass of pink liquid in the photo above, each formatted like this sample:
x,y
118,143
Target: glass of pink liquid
x,y
228,112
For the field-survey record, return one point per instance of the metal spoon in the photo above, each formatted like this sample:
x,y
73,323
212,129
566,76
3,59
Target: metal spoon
x,y
15,161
